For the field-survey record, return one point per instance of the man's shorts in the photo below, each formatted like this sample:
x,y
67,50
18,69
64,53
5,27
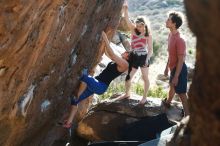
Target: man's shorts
x,y
182,81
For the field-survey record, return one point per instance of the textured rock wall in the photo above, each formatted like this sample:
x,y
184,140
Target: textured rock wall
x,y
203,16
44,45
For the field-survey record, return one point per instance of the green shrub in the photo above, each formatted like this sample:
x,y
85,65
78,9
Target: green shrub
x,y
190,51
156,50
137,88
157,92
112,89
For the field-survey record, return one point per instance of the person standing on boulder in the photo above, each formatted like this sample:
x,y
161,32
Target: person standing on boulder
x,y
141,51
176,62
100,83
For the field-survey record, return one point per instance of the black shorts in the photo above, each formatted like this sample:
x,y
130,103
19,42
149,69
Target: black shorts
x,y
182,80
138,61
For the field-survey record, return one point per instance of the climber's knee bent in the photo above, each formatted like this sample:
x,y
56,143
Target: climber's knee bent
x,y
84,95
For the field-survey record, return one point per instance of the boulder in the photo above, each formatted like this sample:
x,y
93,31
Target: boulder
x,y
204,92
44,46
181,136
109,119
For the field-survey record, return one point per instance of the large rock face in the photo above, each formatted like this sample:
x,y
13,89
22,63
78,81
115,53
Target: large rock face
x,y
204,21
44,45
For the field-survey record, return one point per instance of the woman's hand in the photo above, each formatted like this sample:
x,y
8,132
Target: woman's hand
x,y
129,23
125,5
175,81
147,62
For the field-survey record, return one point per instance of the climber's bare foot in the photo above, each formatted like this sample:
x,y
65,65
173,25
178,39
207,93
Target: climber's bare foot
x,y
143,101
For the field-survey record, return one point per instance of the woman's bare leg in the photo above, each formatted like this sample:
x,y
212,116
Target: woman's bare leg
x,y
144,71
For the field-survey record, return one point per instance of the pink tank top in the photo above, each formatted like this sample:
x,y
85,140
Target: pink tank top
x,y
138,42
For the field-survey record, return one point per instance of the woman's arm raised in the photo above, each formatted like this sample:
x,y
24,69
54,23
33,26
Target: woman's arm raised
x,y
129,23
122,63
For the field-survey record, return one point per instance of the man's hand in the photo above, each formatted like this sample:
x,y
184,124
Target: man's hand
x,y
175,80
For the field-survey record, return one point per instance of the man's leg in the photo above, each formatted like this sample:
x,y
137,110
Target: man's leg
x,y
181,89
183,98
170,94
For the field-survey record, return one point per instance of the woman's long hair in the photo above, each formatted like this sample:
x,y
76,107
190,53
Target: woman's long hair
x,y
130,62
144,21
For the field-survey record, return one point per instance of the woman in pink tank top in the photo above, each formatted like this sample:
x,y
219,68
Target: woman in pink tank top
x,y
141,51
